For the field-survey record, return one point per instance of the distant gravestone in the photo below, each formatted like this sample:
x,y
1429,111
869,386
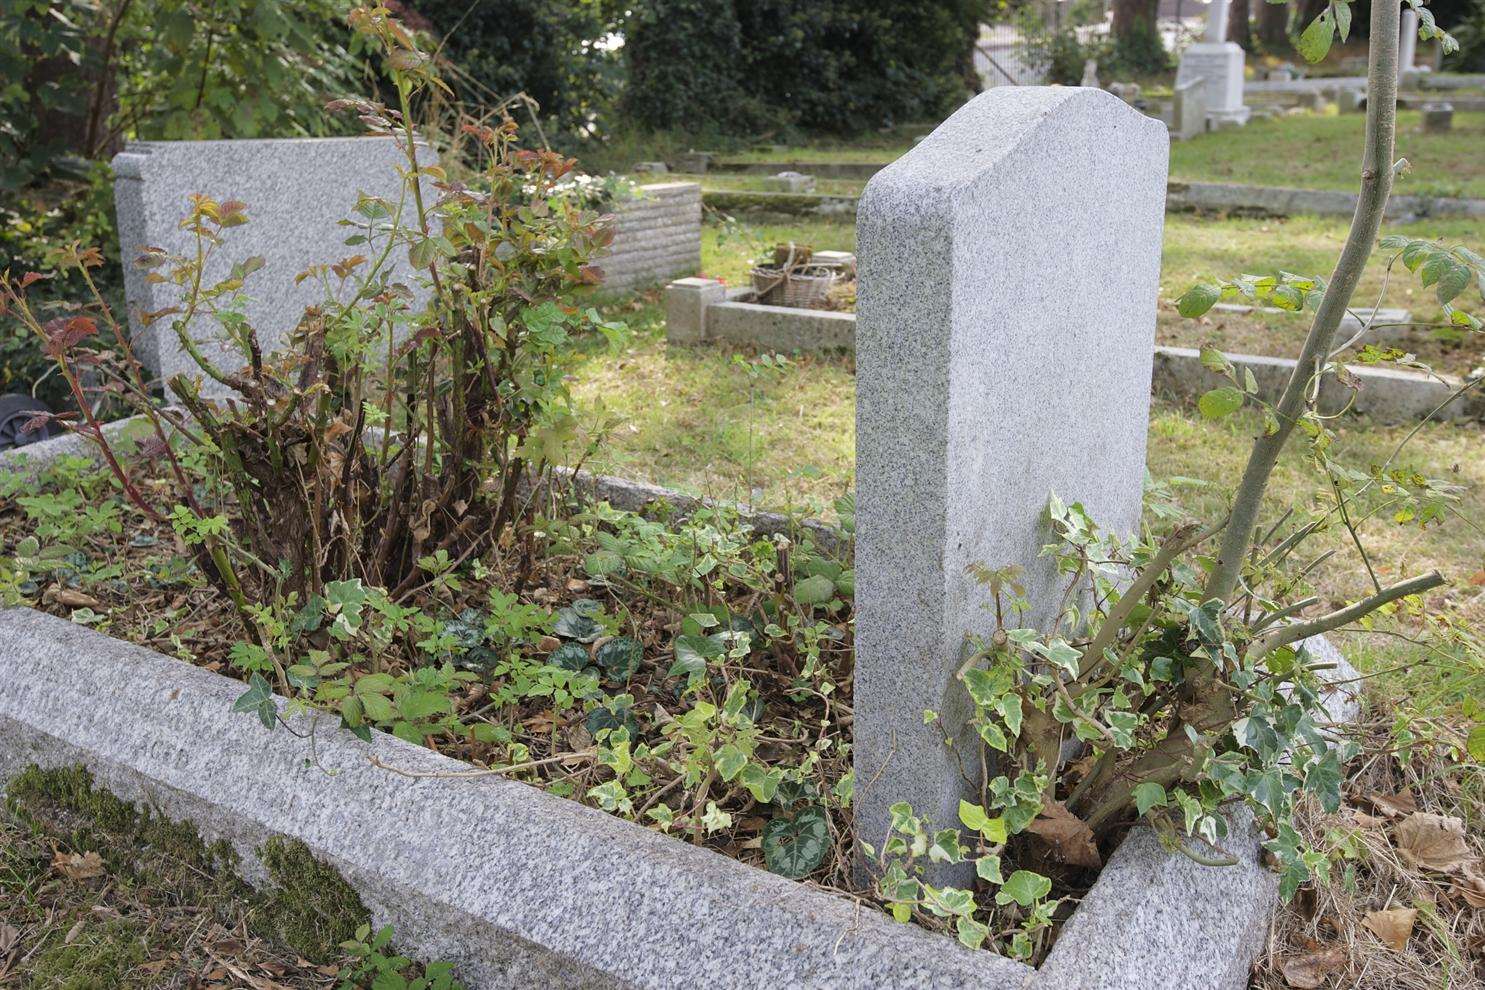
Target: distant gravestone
x,y
1350,100
1219,64
1090,73
1407,44
1008,273
1128,92
790,182
1188,112
1438,118
296,191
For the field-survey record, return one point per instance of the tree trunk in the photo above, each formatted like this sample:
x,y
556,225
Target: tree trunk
x,y
1273,26
1132,17
1238,30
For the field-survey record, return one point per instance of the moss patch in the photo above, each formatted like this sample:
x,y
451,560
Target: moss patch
x,y
311,908
160,885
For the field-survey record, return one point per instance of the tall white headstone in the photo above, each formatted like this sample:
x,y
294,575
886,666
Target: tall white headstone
x,y
1009,268
1219,64
1407,42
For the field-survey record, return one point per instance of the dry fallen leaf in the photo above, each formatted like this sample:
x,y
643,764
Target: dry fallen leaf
x,y
1309,971
1393,805
1433,842
68,598
1472,888
10,937
77,866
1392,926
1068,836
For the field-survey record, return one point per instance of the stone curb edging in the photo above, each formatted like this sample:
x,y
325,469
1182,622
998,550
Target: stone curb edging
x,y
1386,394
657,235
519,888
516,887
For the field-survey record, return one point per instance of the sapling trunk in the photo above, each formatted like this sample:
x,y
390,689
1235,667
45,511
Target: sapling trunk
x,y
1371,205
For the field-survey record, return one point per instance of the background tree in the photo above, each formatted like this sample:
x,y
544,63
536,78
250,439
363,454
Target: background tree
x,y
1239,30
1273,26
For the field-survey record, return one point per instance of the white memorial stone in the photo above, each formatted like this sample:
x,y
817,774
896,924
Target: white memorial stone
x,y
1009,270
1407,42
1219,64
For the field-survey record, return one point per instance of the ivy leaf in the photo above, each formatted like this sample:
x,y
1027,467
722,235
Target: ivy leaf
x,y
795,847
1196,300
1205,622
1220,402
692,653
1148,795
1314,43
1025,888
815,590
258,699
729,761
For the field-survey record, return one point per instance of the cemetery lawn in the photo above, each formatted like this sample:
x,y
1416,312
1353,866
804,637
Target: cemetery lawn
x,y
1319,151
696,419
1196,247
1304,150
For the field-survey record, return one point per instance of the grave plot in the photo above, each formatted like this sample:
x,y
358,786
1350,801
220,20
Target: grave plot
x,y
574,684
565,729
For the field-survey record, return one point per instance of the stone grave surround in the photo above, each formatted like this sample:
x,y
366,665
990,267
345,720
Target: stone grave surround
x,y
296,191
1009,269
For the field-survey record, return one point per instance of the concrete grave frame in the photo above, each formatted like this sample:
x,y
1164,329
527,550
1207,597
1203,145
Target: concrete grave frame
x,y
522,889
700,311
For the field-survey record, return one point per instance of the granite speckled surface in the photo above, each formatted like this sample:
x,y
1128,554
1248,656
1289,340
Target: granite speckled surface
x,y
1005,331
296,191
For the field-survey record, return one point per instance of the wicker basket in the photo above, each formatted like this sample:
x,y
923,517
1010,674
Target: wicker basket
x,y
799,288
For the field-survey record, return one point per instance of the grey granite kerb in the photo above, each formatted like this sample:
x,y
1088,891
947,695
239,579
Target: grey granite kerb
x,y
517,887
1009,269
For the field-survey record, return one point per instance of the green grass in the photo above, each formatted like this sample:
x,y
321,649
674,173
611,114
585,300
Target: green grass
x,y
693,419
728,249
1311,151
1323,151
1196,247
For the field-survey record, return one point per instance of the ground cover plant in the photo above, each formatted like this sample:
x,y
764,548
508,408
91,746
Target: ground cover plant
x,y
373,532
370,527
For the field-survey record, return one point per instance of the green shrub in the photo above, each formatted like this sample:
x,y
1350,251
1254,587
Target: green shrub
x,y
1470,33
826,67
